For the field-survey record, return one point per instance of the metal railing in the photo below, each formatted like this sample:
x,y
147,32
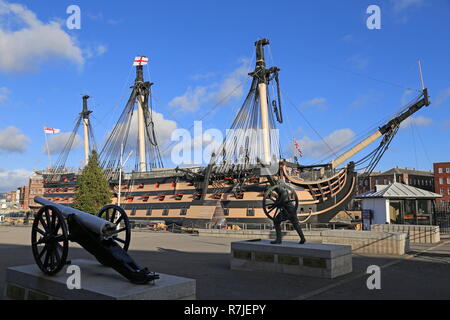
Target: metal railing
x,y
286,226
443,221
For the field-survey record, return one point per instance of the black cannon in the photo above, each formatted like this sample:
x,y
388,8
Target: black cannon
x,y
106,236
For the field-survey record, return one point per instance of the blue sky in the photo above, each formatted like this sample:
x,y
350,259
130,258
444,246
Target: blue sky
x,y
200,49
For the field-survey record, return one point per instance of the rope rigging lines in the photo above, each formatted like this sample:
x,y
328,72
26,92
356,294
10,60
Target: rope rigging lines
x,y
119,139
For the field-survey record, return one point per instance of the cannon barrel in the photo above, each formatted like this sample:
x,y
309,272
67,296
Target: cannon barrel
x,y
91,222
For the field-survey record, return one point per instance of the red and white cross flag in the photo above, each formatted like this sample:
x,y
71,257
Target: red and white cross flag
x,y
140,61
51,130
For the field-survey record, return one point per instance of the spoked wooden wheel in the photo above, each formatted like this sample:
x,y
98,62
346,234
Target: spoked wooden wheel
x,y
117,216
277,198
49,240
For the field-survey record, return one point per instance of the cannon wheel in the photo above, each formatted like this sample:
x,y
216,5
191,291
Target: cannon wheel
x,y
117,215
51,249
272,203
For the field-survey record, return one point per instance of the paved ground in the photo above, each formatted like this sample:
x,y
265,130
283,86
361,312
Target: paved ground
x,y
423,274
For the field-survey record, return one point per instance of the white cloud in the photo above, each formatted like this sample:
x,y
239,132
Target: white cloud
x,y
57,142
92,52
445,124
407,97
417,121
12,140
4,93
216,93
363,100
101,18
23,49
401,5
191,100
358,61
442,96
316,102
163,131
319,149
203,76
13,179
347,38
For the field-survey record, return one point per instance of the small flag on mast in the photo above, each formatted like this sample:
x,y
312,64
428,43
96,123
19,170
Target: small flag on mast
x,y
140,61
51,130
297,146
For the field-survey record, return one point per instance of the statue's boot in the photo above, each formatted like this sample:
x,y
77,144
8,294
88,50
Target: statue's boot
x,y
299,230
278,234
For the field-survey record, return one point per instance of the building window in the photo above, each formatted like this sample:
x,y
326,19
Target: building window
x,y
449,192
440,170
133,212
149,212
447,170
448,180
226,212
183,211
441,180
442,192
250,212
165,212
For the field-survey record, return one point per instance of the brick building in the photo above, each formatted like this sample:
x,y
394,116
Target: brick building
x,y
442,180
36,189
24,200
419,179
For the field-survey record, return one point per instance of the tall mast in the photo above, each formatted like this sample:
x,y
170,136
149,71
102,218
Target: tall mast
x,y
261,73
386,130
141,119
85,114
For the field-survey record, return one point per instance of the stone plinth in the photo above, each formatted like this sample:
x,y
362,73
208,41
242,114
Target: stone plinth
x,y
311,259
97,283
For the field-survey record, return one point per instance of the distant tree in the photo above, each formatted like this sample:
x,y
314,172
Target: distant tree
x,y
93,189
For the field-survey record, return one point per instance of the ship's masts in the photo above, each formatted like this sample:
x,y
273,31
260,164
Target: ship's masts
x,y
85,115
359,147
262,92
141,133
86,140
386,129
141,122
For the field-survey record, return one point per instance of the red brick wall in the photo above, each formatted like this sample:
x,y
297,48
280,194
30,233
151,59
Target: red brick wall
x,y
443,176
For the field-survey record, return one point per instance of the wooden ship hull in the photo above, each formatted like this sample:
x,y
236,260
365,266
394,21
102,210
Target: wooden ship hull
x,y
169,197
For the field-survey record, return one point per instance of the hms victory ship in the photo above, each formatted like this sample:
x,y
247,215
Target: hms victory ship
x,y
234,184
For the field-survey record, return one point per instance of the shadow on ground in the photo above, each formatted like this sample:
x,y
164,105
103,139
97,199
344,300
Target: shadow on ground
x,y
406,279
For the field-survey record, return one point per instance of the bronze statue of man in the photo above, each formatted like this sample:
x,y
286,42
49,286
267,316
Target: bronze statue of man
x,y
288,211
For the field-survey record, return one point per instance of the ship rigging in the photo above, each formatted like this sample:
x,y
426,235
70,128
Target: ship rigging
x,y
238,183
